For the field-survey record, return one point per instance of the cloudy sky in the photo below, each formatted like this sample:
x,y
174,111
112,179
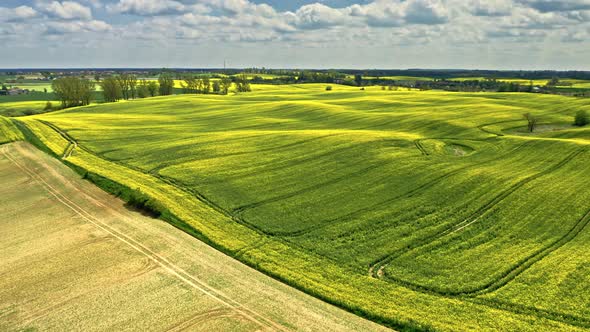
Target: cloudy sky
x,y
485,34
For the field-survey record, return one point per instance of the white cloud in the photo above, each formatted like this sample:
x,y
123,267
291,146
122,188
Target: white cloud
x,y
63,27
67,10
17,14
316,16
426,12
490,7
147,7
444,25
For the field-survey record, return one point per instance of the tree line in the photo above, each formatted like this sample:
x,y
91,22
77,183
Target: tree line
x,y
205,85
127,86
78,91
73,91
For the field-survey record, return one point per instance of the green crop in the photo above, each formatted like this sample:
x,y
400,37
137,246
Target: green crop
x,y
418,209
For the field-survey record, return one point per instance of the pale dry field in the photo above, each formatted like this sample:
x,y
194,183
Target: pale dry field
x,y
75,258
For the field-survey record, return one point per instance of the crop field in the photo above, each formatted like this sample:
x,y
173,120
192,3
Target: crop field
x,y
571,83
21,108
8,131
39,87
74,257
422,210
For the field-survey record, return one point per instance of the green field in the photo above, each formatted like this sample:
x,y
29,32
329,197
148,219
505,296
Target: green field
x,y
421,210
566,82
8,131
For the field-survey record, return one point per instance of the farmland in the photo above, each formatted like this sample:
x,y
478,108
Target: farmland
x,y
72,256
418,209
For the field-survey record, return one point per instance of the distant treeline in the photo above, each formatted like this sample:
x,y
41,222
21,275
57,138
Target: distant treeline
x,y
426,73
465,73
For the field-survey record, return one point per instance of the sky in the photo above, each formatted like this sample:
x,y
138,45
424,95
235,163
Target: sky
x,y
363,34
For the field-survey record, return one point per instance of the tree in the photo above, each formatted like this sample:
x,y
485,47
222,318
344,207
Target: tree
x,y
153,88
124,84
111,89
132,81
87,91
97,77
48,106
242,84
205,85
329,88
128,85
190,84
46,75
73,91
581,119
225,85
216,87
358,79
166,84
531,122
142,89
553,82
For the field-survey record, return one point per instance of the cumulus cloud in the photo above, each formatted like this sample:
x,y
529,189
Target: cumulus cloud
x,y
387,13
63,27
490,7
317,16
67,10
147,7
426,12
469,24
16,14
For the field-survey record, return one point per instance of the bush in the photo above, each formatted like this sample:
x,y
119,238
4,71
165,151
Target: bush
x,y
139,200
329,88
48,106
581,119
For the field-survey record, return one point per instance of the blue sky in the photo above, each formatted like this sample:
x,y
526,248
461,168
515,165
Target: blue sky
x,y
484,34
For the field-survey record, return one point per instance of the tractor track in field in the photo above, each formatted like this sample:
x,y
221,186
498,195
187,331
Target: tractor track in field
x,y
72,144
420,147
138,246
164,165
408,194
528,310
254,245
292,162
424,151
506,276
234,154
240,210
201,318
482,127
377,268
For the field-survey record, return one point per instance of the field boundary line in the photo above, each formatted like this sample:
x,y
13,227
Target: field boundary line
x,y
139,247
